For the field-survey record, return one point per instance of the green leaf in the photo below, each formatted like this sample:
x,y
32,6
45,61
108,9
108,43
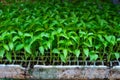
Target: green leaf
x,y
11,45
9,56
45,47
61,42
54,22
6,47
63,58
41,49
111,39
19,47
54,33
64,35
35,39
118,39
20,33
59,30
82,33
75,38
69,43
105,43
65,52
62,21
49,44
27,35
43,34
87,44
2,52
1,38
100,37
86,51
15,38
93,57
97,46
5,34
90,40
77,52
12,32
117,55
56,51
27,49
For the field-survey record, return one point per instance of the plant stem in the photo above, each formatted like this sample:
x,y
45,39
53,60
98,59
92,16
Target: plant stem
x,y
51,56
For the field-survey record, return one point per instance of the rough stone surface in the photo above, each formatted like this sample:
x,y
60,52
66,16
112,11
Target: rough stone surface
x,y
99,73
83,73
71,73
13,72
61,73
114,74
50,73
